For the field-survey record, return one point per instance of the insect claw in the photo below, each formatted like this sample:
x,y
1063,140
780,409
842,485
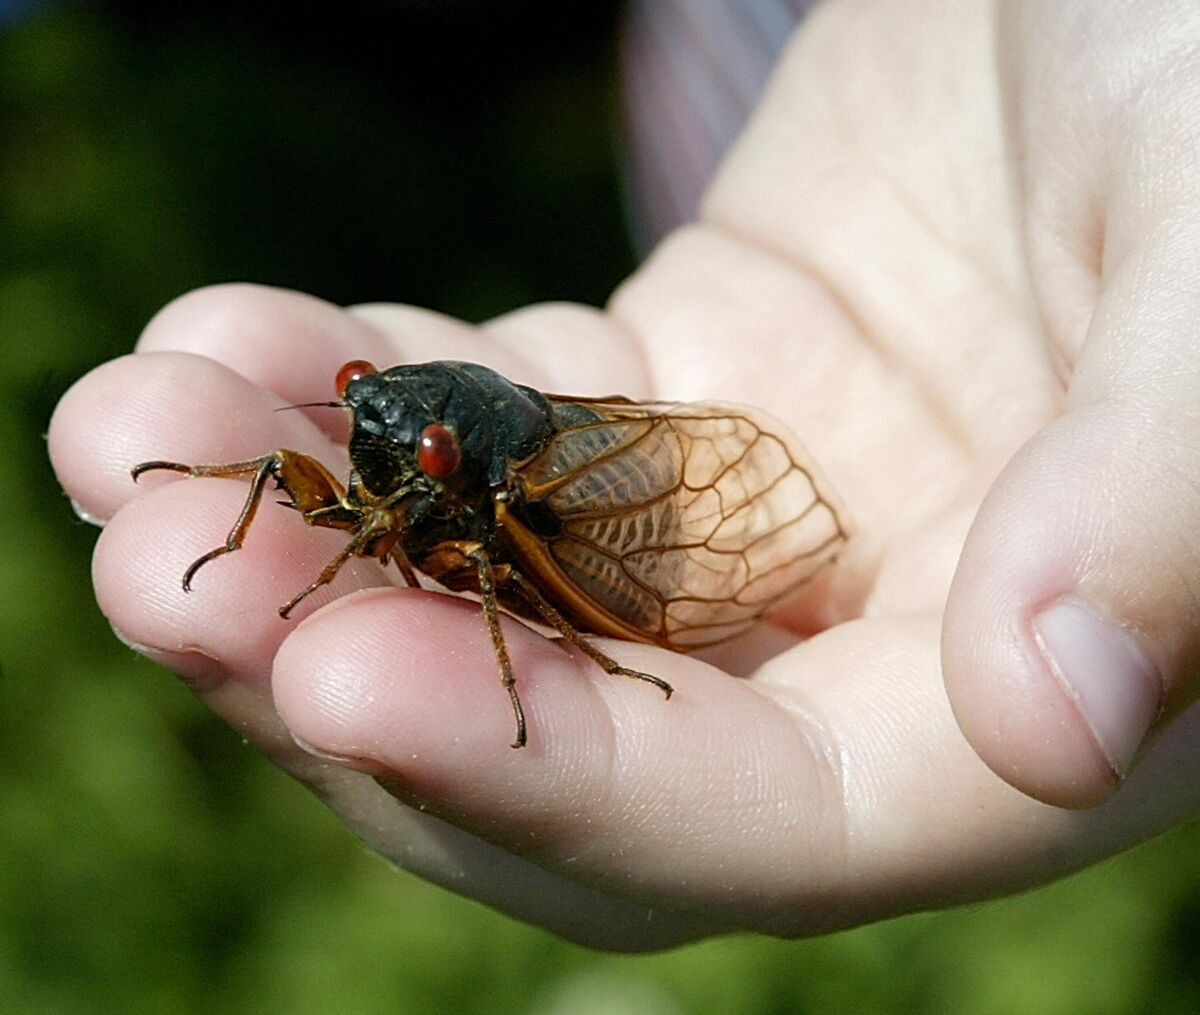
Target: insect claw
x,y
190,573
137,470
649,678
519,713
330,570
285,610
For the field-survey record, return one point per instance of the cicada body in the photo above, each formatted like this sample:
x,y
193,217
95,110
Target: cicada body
x,y
676,524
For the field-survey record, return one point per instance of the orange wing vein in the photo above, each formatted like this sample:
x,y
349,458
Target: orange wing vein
x,y
687,522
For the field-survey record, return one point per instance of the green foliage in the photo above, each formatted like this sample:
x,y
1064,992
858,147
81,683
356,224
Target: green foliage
x,y
149,860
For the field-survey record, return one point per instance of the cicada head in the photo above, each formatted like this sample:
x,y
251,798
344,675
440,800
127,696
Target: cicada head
x,y
441,428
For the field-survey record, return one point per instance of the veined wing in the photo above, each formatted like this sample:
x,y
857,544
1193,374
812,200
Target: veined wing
x,y
686,522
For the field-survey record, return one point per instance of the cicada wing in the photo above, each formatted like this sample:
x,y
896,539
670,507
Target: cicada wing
x,y
687,522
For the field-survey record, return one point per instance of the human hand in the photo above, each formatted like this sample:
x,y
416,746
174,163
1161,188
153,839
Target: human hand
x,y
908,271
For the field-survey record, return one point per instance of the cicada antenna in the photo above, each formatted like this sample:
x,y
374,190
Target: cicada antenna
x,y
313,405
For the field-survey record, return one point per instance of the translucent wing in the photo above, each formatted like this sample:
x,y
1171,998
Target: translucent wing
x,y
686,522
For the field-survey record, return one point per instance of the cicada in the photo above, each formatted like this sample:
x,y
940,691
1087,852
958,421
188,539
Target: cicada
x,y
674,524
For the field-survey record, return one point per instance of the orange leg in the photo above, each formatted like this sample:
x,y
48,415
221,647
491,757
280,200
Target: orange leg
x,y
540,603
312,489
491,614
361,539
451,564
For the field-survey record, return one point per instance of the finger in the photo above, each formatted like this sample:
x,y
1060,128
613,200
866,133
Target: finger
x,y
793,803
165,522
441,730
1073,630
284,341
441,853
169,406
563,348
293,344
223,636
570,349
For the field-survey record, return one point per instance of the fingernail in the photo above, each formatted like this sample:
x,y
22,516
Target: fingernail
x,y
196,668
84,515
354,761
1105,671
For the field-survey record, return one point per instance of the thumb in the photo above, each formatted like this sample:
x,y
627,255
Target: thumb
x,y
1072,631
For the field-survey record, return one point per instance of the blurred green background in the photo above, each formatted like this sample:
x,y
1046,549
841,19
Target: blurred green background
x,y
462,156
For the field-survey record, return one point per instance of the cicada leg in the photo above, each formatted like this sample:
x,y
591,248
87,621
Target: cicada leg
x,y
564,627
313,491
449,564
406,569
491,613
360,541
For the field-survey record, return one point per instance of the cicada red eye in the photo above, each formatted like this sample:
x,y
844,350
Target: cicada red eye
x,y
438,453
351,371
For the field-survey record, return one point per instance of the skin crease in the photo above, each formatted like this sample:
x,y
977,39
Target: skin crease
x,y
953,251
